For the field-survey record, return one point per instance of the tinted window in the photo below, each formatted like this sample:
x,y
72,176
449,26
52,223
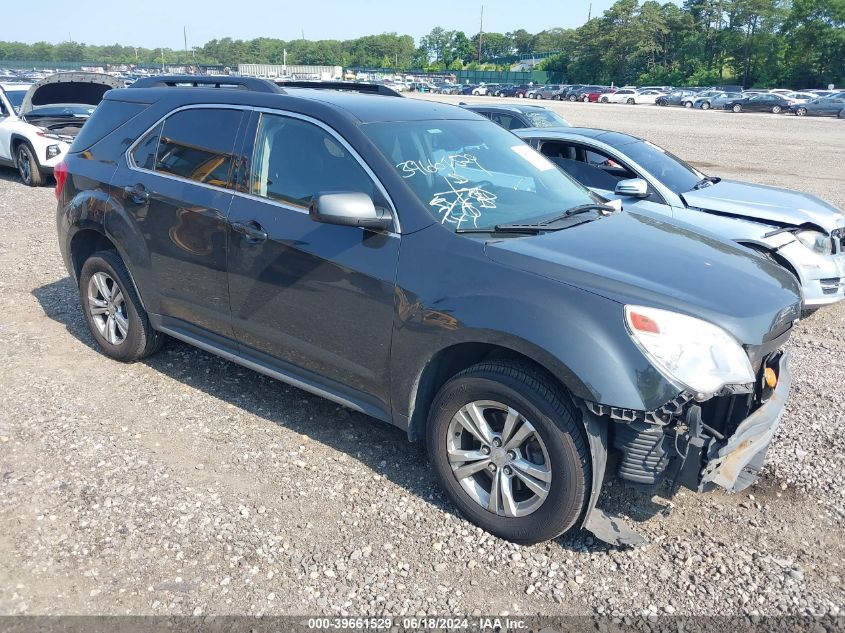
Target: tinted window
x,y
15,97
144,153
667,168
295,159
199,145
108,116
507,121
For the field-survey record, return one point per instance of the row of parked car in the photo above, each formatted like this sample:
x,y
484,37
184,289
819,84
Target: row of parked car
x,y
560,295
801,103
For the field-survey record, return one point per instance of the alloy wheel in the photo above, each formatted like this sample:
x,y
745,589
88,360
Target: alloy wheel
x,y
801,111
108,309
24,166
499,458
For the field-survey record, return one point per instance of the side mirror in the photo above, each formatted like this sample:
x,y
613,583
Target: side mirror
x,y
349,208
632,188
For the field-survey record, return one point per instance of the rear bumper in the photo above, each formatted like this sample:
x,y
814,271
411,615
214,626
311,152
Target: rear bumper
x,y
735,463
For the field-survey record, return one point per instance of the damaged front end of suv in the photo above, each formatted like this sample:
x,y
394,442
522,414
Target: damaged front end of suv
x,y
715,433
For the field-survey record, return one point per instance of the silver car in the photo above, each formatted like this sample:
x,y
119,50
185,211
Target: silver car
x,y
717,101
799,231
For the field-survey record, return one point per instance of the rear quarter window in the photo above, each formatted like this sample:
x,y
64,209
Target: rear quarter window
x,y
108,116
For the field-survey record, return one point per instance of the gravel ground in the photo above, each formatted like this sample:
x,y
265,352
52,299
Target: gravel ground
x,y
188,485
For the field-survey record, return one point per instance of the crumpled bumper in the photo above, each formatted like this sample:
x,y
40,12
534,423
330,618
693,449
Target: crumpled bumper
x,y
735,463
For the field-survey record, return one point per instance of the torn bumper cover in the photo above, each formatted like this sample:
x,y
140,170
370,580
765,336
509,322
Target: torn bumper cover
x,y
734,463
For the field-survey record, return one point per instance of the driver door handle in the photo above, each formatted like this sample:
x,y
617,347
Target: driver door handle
x,y
251,230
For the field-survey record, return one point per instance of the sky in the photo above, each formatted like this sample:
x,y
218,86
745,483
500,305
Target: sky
x,y
154,23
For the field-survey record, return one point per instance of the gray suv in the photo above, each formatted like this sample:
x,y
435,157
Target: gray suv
x,y
417,263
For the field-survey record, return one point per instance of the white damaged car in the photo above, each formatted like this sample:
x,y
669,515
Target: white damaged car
x,y
799,231
37,129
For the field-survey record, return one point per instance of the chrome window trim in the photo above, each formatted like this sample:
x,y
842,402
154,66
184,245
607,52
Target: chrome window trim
x,y
130,162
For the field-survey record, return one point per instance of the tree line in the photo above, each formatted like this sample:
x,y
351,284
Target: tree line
x,y
799,43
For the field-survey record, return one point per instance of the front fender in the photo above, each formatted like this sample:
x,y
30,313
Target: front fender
x,y
464,297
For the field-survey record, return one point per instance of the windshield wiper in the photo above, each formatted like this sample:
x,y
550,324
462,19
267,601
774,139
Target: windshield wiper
x,y
706,182
554,223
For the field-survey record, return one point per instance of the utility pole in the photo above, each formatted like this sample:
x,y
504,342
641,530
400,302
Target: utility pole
x,y
590,12
480,33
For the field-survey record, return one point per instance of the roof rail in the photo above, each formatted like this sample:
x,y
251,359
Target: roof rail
x,y
207,81
375,89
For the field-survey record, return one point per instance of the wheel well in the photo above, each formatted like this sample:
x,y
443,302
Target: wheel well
x,y
450,361
774,256
84,244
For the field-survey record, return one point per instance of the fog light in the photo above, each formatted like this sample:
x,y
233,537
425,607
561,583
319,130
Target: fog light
x,y
771,377
53,151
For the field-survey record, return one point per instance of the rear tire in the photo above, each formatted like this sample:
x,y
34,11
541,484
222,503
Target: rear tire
x,y
113,310
705,105
554,449
630,101
801,112
737,108
28,168
604,100
687,104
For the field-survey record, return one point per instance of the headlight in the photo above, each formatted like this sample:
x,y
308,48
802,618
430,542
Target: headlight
x,y
815,241
694,354
53,151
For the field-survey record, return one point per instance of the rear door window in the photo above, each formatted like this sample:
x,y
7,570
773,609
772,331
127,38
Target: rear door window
x,y
144,154
199,144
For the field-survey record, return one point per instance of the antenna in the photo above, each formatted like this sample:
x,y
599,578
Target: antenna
x,y
590,12
480,33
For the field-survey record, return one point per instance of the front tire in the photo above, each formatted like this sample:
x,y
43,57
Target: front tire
x,y
687,104
509,450
737,108
28,168
604,100
705,105
630,101
113,310
801,112
776,109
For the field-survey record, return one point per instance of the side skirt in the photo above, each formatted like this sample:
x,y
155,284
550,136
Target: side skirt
x,y
274,368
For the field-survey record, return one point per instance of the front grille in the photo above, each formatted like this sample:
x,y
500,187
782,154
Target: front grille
x,y
830,286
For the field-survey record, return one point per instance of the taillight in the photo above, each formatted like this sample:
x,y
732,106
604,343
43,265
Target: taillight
x,y
60,173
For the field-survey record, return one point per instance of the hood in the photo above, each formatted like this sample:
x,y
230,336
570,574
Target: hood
x,y
69,88
780,206
635,259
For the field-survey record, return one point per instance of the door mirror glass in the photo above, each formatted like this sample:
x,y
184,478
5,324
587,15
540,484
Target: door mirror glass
x,y
635,187
349,208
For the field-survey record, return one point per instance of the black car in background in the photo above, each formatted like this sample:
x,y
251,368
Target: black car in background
x,y
764,102
515,117
512,90
414,262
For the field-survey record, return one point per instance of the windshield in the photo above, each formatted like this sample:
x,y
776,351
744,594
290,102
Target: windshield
x,y
474,174
666,167
15,97
541,118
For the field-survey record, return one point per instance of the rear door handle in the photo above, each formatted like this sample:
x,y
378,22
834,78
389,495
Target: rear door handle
x,y
251,230
137,193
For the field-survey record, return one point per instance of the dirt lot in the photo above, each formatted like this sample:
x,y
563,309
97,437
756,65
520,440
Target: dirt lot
x,y
188,485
